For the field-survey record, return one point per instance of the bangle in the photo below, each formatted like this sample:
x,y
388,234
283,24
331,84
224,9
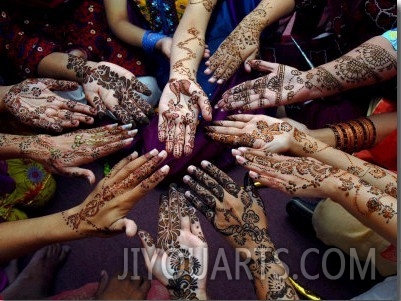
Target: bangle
x,y
150,39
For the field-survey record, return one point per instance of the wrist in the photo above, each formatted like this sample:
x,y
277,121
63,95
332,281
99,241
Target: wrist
x,y
150,39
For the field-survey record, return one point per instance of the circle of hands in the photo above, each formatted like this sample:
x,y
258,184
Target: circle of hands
x,y
179,257
35,104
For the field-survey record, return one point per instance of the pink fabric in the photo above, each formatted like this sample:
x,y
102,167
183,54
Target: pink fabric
x,y
157,291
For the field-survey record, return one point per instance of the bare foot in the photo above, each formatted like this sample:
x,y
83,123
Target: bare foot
x,y
36,280
125,289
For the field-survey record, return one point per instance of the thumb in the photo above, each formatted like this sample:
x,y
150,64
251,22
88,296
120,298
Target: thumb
x,y
148,244
206,108
251,57
264,66
126,224
80,172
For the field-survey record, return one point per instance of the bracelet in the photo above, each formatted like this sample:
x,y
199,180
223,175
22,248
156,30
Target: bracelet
x,y
150,39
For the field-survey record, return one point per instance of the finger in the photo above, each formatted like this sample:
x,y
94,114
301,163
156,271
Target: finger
x,y
209,183
109,148
262,166
205,108
163,229
185,214
270,181
264,66
222,178
59,85
196,228
190,132
170,136
123,115
179,138
198,204
144,106
149,246
140,87
246,151
73,106
206,196
126,224
97,103
77,172
241,118
136,111
173,208
232,140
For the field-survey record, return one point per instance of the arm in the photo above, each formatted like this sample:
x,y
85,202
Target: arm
x,y
239,214
242,44
106,85
309,177
183,99
65,153
370,63
103,213
118,20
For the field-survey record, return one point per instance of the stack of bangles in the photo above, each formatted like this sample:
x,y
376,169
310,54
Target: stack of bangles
x,y
150,39
354,135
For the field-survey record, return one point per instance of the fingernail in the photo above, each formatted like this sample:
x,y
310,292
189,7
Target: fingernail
x,y
242,149
253,175
236,152
165,169
186,178
162,154
240,159
128,140
126,126
154,152
133,132
205,163
191,168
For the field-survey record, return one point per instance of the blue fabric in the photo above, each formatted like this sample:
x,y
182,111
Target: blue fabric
x,y
391,35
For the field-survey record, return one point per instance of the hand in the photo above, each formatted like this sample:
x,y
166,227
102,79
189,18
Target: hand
x,y
179,259
282,86
33,103
239,214
179,108
240,46
104,211
255,131
63,154
300,176
109,86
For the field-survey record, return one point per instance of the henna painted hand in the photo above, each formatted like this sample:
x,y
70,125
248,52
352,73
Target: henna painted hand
x,y
300,176
240,46
109,86
256,131
65,153
179,108
104,211
283,85
33,103
239,214
179,259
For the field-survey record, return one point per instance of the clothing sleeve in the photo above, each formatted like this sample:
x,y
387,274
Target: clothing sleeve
x,y
391,35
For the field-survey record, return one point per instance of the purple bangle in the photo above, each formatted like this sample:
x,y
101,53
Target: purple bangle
x,y
150,39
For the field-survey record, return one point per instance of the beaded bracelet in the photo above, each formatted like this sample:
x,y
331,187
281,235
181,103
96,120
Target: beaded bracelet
x,y
150,39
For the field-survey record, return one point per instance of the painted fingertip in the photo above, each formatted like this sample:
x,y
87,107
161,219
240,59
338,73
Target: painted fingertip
x,y
133,132
153,152
165,169
128,140
253,175
134,155
205,163
191,168
126,126
186,178
240,159
235,152
162,154
242,149
220,81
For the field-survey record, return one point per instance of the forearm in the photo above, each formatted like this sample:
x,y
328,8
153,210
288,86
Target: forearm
x,y
306,146
270,11
370,63
371,206
18,238
189,41
64,66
